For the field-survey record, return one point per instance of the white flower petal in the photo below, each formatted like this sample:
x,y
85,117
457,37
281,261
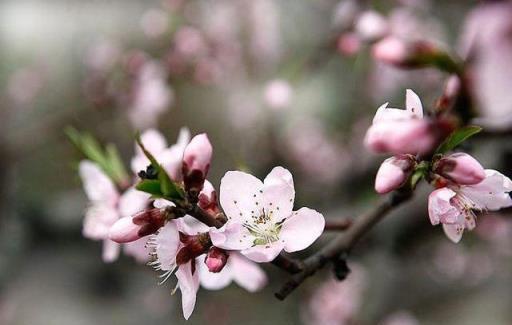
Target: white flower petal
x,y
440,208
241,196
246,273
188,284
278,194
413,103
110,251
214,281
97,185
302,229
453,232
98,220
166,244
492,193
133,201
264,253
232,236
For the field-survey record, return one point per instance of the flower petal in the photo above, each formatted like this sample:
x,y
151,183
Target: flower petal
x,y
492,193
110,251
453,232
138,249
98,220
97,185
264,253
246,273
166,244
278,194
440,208
214,281
413,103
241,196
302,229
232,236
133,201
189,284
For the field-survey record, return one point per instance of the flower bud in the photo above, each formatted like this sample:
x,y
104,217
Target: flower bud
x,y
216,259
460,168
193,246
196,162
371,26
405,54
142,224
393,172
208,199
413,136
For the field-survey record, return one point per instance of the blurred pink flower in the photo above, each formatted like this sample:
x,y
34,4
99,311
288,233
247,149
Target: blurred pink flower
x,y
102,55
152,95
454,206
278,94
335,302
171,157
401,317
239,269
154,22
261,222
24,85
371,26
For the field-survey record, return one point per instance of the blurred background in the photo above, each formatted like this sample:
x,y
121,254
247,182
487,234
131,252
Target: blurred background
x,y
272,82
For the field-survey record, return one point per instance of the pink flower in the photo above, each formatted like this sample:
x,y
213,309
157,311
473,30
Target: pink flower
x,y
460,168
454,206
278,94
393,172
208,199
141,224
371,26
106,206
239,269
170,157
390,50
196,161
166,245
400,131
261,221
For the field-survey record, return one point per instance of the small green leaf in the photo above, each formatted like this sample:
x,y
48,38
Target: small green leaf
x,y
151,186
168,188
457,137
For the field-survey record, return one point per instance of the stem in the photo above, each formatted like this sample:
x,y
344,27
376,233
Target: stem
x,y
337,225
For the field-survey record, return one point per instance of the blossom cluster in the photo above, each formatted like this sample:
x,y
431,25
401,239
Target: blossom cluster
x,y
252,222
463,186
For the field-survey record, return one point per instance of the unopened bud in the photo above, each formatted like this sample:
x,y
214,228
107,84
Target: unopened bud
x,y
196,162
208,199
142,224
461,168
371,26
393,172
193,246
216,259
409,54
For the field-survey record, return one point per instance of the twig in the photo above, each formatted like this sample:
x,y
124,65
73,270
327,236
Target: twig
x,y
337,225
344,242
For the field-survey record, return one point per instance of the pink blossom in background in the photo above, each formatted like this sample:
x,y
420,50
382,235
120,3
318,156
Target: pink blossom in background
x,y
454,206
371,26
152,96
487,45
154,22
24,85
345,14
102,55
400,317
265,34
337,302
278,94
190,43
171,157
348,44
261,222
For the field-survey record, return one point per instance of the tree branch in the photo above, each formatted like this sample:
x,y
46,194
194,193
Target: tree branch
x,y
344,242
338,225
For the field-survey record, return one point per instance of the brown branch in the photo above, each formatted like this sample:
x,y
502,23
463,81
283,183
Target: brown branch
x,y
337,225
344,242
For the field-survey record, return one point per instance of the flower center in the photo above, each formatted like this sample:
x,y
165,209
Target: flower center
x,y
263,229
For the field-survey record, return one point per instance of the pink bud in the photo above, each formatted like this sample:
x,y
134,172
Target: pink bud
x,y
142,224
461,168
124,231
196,162
393,172
413,136
216,259
390,50
208,199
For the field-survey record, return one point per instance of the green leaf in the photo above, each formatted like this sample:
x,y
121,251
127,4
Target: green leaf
x,y
168,188
115,162
151,186
457,137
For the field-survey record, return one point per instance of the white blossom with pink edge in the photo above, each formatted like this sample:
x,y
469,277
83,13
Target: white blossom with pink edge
x,y
261,221
454,206
238,269
399,131
106,207
171,157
